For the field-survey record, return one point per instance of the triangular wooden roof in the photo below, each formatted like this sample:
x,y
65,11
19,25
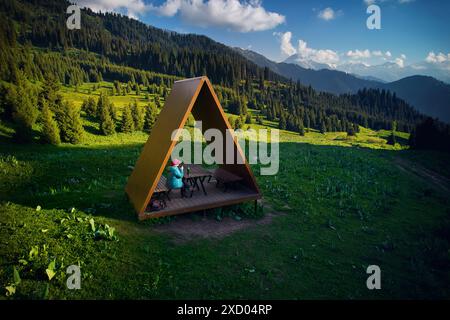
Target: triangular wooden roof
x,y
194,96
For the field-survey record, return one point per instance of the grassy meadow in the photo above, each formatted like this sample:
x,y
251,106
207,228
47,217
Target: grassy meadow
x,y
337,205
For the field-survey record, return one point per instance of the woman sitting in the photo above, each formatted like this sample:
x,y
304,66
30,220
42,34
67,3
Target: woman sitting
x,y
175,180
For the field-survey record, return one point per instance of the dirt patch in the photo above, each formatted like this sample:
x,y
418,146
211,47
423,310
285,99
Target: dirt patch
x,y
193,226
440,182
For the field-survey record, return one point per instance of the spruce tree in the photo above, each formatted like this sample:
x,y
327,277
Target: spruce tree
x,y
238,123
89,106
23,105
323,127
50,130
350,131
127,125
392,140
150,118
104,108
157,102
138,89
283,123
107,126
138,116
49,92
301,129
71,129
231,121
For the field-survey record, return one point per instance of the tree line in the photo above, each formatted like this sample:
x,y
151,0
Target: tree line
x,y
134,56
60,121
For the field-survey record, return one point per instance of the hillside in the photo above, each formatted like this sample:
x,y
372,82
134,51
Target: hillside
x,y
127,41
428,95
35,41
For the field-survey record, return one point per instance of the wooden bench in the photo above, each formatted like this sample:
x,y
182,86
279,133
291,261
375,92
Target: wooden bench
x,y
161,191
226,178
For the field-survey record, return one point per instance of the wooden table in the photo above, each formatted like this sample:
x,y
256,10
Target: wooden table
x,y
225,178
194,173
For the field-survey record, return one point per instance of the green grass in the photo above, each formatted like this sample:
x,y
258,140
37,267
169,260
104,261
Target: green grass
x,y
346,205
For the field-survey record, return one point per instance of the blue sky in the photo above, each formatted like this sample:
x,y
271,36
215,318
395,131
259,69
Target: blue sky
x,y
334,31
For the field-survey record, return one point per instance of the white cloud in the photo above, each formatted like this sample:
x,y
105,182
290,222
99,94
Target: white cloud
x,y
303,52
242,16
403,56
358,54
377,53
326,56
327,14
286,46
168,8
132,8
437,58
400,62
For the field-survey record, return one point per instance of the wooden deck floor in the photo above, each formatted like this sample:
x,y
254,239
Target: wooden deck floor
x,y
216,198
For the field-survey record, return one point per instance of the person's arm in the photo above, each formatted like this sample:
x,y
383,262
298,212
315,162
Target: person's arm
x,y
178,173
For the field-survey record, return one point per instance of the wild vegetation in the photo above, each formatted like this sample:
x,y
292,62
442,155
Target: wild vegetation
x,y
339,204
82,104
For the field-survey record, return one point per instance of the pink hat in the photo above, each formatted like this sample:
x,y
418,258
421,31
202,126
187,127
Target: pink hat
x,y
175,162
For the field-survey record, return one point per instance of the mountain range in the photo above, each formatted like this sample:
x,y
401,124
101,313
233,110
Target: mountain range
x,y
391,71
385,72
427,94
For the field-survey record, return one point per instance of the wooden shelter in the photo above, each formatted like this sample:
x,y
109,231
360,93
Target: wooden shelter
x,y
194,96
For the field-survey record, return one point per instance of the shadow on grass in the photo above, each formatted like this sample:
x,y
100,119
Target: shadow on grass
x,y
93,178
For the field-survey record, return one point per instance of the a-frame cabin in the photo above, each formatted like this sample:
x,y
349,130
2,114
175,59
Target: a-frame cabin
x,y
194,96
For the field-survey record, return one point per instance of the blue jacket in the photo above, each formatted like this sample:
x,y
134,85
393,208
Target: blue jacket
x,y
175,180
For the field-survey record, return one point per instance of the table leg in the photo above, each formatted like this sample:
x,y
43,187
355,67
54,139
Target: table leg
x,y
202,179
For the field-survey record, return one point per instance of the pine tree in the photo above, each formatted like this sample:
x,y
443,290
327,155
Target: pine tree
x,y
283,123
23,105
150,118
259,120
127,125
157,102
238,123
89,106
392,140
351,131
107,126
138,89
71,129
49,92
231,121
50,130
138,116
301,129
323,127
